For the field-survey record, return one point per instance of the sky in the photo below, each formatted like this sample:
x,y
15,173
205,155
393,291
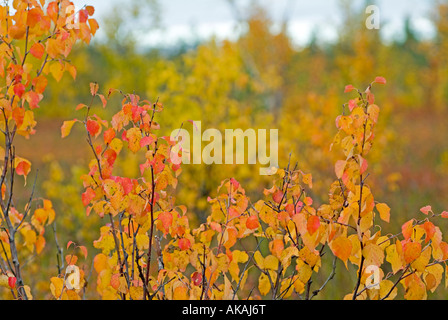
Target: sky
x,y
186,19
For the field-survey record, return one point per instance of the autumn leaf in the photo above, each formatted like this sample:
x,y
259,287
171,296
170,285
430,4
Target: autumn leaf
x,y
37,50
411,251
93,127
380,80
94,88
339,168
184,244
252,222
349,88
426,209
83,250
373,255
19,90
384,211
342,248
407,229
67,127
313,224
134,136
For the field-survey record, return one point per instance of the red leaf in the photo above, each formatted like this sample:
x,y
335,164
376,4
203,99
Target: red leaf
x,y
146,141
12,282
380,80
235,184
349,88
19,90
93,127
166,218
69,244
277,196
184,244
88,196
108,135
197,278
313,224
37,50
426,209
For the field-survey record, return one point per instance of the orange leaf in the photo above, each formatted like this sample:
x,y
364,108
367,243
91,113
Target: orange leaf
x,y
252,222
407,228
84,251
342,248
108,135
412,251
23,167
37,50
430,230
313,224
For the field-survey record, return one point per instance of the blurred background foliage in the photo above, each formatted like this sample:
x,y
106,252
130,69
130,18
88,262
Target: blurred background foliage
x,y
259,80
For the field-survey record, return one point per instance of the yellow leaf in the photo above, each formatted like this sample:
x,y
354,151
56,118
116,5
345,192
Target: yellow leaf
x,y
240,256
373,255
56,286
4,280
385,287
264,286
259,260
142,241
271,262
304,271
67,127
136,293
393,258
57,70
422,261
436,271
384,211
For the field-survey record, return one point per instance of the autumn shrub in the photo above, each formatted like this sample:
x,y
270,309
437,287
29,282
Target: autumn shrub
x,y
147,248
270,248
